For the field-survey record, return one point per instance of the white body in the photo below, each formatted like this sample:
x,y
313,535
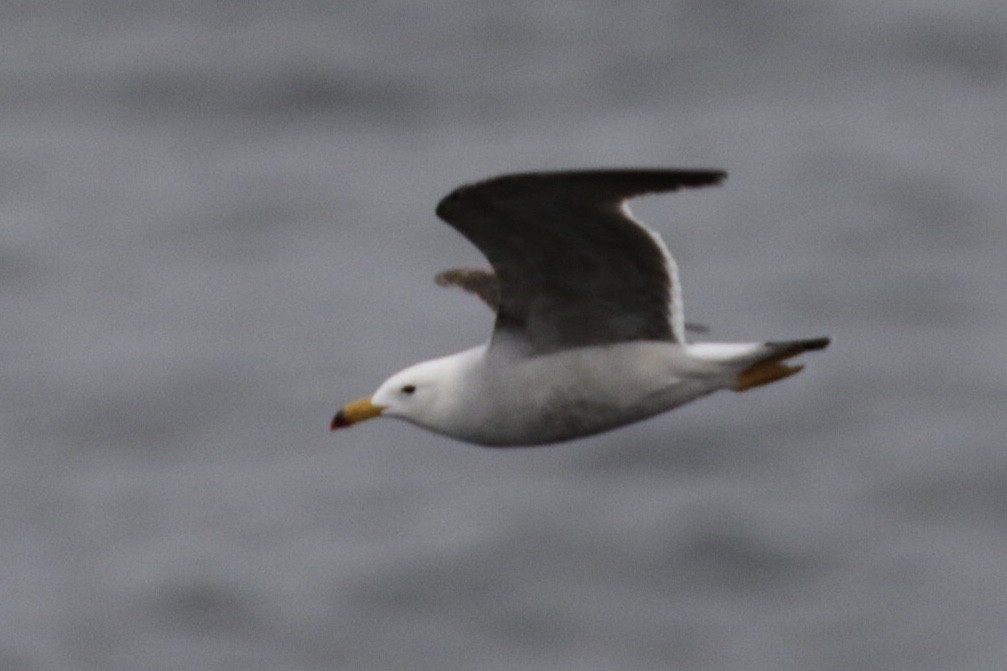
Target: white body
x,y
498,397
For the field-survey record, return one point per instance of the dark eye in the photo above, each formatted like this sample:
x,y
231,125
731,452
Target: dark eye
x,y
408,389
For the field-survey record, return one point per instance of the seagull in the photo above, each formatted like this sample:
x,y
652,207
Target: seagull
x,y
589,333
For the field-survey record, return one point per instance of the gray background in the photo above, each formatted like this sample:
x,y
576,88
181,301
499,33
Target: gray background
x,y
218,227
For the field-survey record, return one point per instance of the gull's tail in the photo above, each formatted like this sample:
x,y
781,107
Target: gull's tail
x,y
769,366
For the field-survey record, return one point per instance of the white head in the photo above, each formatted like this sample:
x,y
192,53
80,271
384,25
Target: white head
x,y
419,394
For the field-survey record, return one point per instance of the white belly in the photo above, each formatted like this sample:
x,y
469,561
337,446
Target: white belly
x,y
533,401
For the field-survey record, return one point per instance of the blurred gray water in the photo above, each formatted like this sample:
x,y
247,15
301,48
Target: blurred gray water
x,y
218,227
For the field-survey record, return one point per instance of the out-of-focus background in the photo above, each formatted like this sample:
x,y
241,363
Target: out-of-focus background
x,y
217,227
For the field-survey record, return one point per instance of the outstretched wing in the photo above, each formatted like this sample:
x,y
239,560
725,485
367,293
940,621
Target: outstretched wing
x,y
483,283
574,268
479,281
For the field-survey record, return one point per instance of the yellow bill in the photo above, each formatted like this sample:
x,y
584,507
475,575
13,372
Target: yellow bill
x,y
354,412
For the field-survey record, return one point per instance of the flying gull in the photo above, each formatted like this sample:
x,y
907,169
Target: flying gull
x,y
589,331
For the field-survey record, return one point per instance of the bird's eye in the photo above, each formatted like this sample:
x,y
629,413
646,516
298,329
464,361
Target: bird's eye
x,y
408,389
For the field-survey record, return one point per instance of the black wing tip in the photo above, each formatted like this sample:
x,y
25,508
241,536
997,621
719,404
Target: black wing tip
x,y
678,176
703,177
621,182
816,343
650,180
795,347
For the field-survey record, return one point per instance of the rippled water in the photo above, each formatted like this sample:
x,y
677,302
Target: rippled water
x,y
218,226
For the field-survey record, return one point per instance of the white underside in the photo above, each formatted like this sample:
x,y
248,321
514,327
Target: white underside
x,y
492,398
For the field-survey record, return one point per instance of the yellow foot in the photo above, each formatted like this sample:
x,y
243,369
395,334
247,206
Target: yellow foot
x,y
762,373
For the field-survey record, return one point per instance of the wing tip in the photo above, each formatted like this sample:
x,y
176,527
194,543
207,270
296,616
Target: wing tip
x,y
706,177
623,183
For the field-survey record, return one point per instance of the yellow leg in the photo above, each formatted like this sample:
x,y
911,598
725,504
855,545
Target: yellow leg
x,y
762,373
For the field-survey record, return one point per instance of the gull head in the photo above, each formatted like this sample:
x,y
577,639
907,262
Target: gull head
x,y
416,394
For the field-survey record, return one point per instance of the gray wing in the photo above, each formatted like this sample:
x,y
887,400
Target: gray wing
x,y
574,269
483,283
479,281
